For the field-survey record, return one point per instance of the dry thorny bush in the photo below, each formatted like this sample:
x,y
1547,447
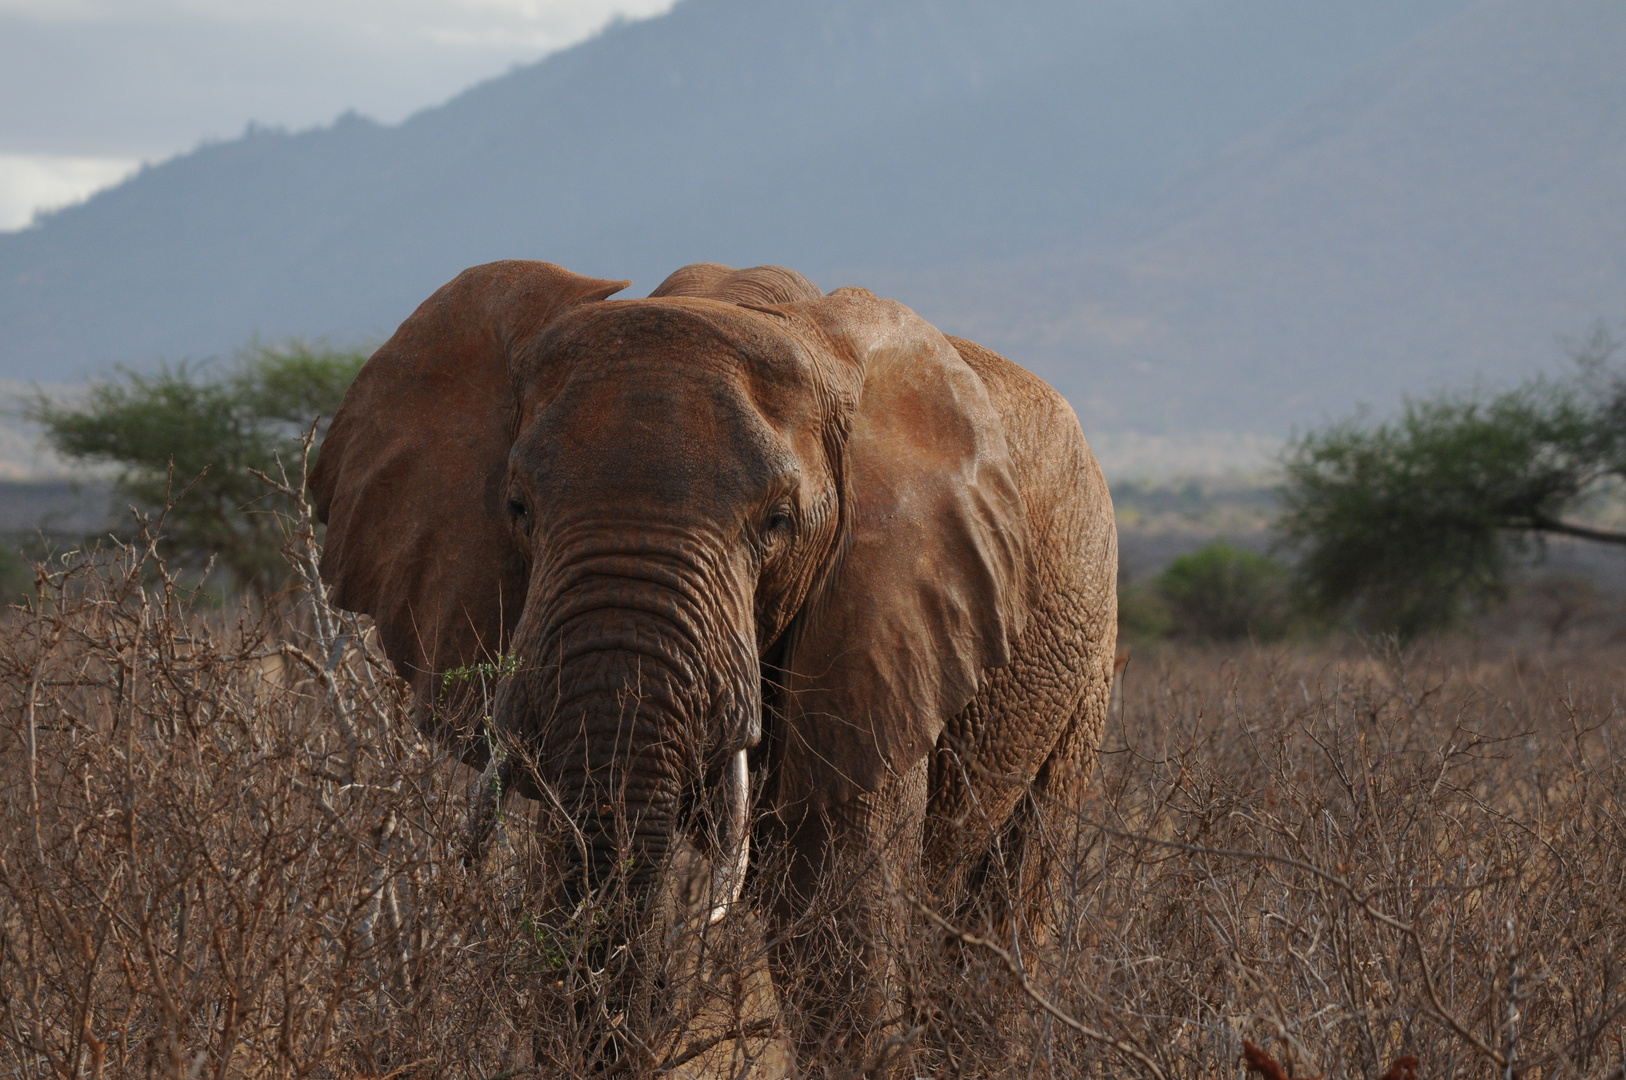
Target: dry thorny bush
x,y
225,851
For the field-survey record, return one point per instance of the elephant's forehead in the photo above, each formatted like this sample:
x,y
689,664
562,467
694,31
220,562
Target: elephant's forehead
x,y
686,331
660,441
672,347
668,411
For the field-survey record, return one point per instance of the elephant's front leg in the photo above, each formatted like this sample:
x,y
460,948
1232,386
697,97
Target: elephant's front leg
x,y
843,917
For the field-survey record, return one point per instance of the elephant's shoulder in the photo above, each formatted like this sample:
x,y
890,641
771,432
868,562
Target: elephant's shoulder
x,y
1068,505
1047,445
1016,392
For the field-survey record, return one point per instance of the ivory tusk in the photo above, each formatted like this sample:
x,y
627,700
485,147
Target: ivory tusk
x,y
728,871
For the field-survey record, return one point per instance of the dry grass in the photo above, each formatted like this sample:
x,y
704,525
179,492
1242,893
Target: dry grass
x,y
225,852
1354,857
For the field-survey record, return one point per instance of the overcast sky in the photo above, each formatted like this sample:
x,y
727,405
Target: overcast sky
x,y
91,88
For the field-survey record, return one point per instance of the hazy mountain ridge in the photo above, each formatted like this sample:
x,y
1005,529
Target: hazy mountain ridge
x,y
965,158
1449,213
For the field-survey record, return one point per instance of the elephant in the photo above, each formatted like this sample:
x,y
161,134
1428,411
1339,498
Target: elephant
x,y
860,575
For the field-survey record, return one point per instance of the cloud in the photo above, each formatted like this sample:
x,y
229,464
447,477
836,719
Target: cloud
x,y
551,23
30,183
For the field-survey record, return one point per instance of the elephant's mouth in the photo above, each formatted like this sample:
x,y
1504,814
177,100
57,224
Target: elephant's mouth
x,y
733,853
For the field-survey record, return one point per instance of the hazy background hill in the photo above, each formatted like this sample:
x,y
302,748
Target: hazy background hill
x,y
1446,214
1221,216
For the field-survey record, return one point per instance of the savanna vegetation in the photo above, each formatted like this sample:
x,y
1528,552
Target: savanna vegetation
x,y
1407,526
1404,524
225,850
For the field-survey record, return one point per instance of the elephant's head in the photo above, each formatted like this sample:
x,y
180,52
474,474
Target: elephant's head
x,y
736,516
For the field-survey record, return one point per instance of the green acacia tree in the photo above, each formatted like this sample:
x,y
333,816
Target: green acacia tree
x,y
204,430
1404,523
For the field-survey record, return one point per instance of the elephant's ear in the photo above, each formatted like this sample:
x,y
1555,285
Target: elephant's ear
x,y
410,481
755,286
926,588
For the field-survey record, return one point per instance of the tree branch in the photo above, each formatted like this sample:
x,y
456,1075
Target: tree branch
x,y
1584,532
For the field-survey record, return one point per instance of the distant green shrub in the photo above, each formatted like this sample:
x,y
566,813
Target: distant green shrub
x,y
1142,614
1224,592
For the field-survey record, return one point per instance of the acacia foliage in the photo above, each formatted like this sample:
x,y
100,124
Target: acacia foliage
x,y
201,432
1402,524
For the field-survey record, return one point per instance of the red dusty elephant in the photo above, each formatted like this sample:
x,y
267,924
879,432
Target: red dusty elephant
x,y
860,575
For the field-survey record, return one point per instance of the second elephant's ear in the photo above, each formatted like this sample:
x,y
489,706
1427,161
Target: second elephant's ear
x,y
926,588
410,480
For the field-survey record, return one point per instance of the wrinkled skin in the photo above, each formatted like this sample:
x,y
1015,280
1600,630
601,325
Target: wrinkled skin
x,y
738,515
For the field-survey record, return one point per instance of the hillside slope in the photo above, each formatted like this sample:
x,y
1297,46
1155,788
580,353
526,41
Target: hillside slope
x,y
1448,214
855,139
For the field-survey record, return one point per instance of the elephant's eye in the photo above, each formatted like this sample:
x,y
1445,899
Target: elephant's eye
x,y
778,525
520,514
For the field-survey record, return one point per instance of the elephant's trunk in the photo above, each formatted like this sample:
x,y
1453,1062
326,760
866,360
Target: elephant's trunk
x,y
620,695
615,757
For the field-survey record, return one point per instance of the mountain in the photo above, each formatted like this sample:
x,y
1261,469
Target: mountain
x,y
1446,214
921,143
